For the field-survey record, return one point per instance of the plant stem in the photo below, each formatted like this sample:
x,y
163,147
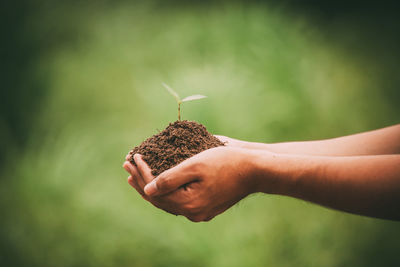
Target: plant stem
x,y
179,111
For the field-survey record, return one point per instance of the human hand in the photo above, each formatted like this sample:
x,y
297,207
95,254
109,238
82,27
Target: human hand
x,y
200,187
231,142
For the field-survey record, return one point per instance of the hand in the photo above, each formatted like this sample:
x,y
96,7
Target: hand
x,y
200,187
140,177
231,142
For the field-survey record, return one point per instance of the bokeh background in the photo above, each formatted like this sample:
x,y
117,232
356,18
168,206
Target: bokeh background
x,y
81,85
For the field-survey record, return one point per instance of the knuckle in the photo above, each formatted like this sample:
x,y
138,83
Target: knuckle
x,y
197,218
196,169
191,209
163,183
167,208
194,219
209,218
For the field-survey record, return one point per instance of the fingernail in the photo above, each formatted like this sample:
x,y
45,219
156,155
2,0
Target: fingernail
x,y
135,157
125,167
130,181
151,188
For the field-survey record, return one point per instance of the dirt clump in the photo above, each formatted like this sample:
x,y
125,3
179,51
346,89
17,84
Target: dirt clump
x,y
179,141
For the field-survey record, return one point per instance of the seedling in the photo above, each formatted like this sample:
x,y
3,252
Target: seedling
x,y
179,100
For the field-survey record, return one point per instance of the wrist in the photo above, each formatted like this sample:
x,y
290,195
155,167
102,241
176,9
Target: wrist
x,y
276,173
256,172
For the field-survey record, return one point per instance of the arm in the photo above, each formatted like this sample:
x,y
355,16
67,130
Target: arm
x,y
365,185
210,182
378,142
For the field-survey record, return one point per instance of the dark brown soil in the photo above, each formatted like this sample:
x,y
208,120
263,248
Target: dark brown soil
x,y
179,141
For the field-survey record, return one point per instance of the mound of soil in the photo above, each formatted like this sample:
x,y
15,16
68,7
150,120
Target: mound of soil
x,y
179,141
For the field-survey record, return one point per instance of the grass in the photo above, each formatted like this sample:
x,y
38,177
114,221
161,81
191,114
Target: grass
x,y
270,76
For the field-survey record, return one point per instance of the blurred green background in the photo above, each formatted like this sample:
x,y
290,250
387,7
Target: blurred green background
x,y
81,86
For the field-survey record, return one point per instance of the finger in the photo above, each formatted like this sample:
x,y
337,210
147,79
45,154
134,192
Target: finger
x,y
162,204
170,180
165,206
139,179
128,156
128,167
132,181
136,175
143,169
222,138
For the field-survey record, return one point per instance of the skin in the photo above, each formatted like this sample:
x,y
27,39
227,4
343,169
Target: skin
x,y
378,142
359,174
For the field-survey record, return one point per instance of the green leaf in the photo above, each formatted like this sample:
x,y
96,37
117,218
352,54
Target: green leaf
x,y
193,97
172,92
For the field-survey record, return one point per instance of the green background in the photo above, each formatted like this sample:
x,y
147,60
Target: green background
x,y
82,85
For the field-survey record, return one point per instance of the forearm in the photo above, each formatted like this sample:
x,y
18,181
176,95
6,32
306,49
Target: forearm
x,y
378,142
366,185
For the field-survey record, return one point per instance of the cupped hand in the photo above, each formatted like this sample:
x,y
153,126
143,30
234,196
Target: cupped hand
x,y
231,142
200,187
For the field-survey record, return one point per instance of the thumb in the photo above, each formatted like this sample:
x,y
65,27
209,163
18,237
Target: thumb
x,y
169,181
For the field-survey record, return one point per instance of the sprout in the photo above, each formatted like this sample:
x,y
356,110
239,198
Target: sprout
x,y
179,100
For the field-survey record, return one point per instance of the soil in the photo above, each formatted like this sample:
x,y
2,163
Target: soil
x,y
179,141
